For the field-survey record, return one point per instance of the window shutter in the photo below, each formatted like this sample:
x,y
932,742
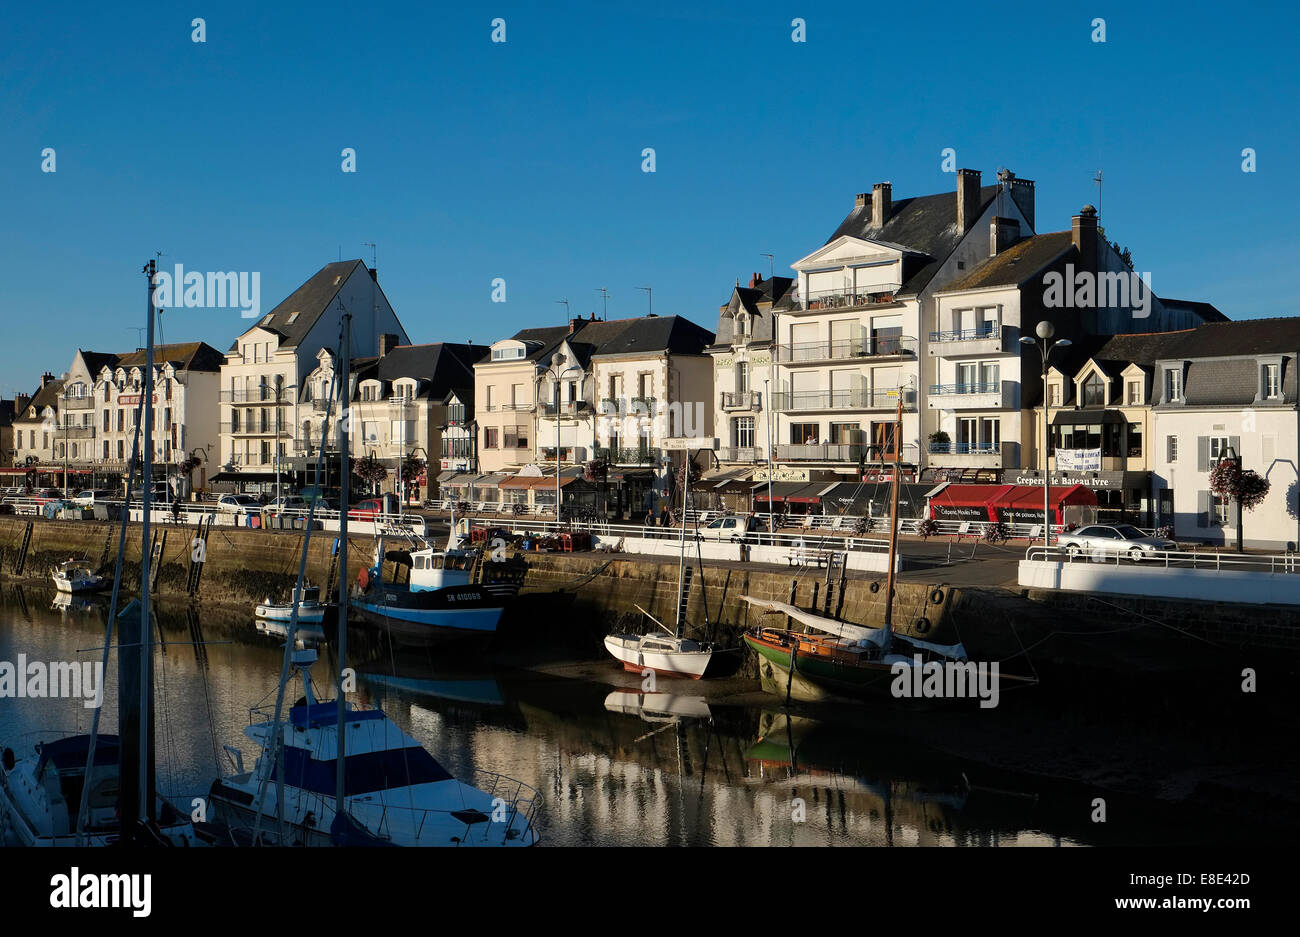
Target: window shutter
x,y
1202,453
1233,508
1235,443
1203,506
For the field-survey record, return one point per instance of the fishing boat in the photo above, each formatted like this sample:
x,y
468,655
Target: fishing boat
x,y
454,595
396,794
671,654
310,607
836,659
40,796
73,575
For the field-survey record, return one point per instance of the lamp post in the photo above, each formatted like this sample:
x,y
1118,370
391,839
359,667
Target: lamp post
x,y
556,375
767,400
1231,455
1045,330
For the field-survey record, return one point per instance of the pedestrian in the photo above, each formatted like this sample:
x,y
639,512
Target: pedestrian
x,y
176,511
663,514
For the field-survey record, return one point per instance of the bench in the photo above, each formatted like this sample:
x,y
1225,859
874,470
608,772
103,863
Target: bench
x,y
811,556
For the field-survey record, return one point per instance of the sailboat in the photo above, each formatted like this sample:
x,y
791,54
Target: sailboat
x,y
332,773
835,659
671,654
97,789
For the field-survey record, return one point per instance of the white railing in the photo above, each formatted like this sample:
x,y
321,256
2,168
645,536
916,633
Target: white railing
x,y
1208,559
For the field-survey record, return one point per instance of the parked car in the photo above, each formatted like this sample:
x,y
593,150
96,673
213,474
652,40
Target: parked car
x,y
1116,539
287,503
366,510
732,527
90,496
238,504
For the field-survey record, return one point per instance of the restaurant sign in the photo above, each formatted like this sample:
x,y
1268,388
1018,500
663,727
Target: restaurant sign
x,y
1065,479
781,475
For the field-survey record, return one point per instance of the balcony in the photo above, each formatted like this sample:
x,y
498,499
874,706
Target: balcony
x,y
320,406
255,429
987,395
787,402
78,403
569,408
986,340
864,347
741,454
973,454
256,395
820,452
77,432
846,298
644,405
747,400
625,456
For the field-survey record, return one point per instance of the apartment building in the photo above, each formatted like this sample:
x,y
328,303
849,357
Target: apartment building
x,y
265,397
35,427
458,452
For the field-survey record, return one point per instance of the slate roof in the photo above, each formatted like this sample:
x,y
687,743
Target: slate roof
x,y
640,335
96,361
926,225
310,301
439,367
1206,311
1017,264
1239,337
47,396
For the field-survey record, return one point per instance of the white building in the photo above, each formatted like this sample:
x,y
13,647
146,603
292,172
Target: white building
x,y
265,398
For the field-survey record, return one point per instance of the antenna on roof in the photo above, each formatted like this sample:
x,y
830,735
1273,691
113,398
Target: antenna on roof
x,y
565,302
769,263
649,291
1097,179
374,253
605,294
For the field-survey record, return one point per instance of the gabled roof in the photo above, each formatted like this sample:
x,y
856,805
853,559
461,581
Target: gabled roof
x,y
96,361
1017,264
184,356
47,396
1232,338
652,334
925,224
1206,311
310,301
438,367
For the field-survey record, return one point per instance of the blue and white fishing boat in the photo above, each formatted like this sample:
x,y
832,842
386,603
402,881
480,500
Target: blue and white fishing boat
x,y
453,595
396,793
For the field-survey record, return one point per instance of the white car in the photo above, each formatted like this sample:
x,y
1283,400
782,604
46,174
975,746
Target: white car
x,y
92,495
288,504
1101,539
730,527
238,504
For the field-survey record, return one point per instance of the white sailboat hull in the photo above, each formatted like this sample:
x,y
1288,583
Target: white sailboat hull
x,y
670,657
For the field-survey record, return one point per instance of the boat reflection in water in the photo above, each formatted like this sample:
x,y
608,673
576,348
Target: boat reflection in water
x,y
77,603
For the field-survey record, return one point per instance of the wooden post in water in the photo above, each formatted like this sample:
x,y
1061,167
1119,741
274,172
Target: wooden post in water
x,y
893,521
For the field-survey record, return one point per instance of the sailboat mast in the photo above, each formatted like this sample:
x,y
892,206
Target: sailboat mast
x,y
681,563
147,779
893,519
345,428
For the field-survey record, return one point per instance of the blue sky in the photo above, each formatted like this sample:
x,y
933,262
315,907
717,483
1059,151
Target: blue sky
x,y
523,160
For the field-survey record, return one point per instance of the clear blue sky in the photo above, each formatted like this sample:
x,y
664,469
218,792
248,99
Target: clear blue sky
x,y
523,160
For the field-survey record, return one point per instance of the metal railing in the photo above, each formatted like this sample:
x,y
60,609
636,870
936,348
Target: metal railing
x,y
741,400
843,399
845,298
570,408
967,335
1209,559
945,390
864,347
623,455
79,403
965,448
741,454
820,452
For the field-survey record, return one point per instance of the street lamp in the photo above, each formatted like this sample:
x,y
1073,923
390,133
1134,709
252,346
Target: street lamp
x,y
771,512
1045,330
1231,455
555,380
279,393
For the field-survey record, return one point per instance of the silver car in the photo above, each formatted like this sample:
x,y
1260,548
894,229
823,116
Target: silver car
x,y
1100,540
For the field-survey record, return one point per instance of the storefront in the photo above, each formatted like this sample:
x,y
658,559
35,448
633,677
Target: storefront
x,y
1122,497
1012,504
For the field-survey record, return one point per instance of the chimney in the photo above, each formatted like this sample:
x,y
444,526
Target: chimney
x,y
1083,235
881,202
20,402
574,324
46,378
374,274
862,200
1003,232
754,280
968,198
1022,192
387,342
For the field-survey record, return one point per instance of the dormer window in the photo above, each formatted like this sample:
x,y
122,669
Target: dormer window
x,y
1270,381
293,317
1054,394
266,320
1094,391
1173,385
1133,393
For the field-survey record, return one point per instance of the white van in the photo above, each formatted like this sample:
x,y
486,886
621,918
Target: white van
x,y
731,527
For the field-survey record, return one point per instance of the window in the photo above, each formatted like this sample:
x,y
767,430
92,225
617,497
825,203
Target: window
x,y
105,450
1134,440
882,437
106,421
742,432
1218,446
1272,381
843,433
1054,395
803,433
1173,385
1134,395
742,377
491,397
266,452
505,354
1094,392
1220,509
456,413
293,317
490,438
121,450
234,421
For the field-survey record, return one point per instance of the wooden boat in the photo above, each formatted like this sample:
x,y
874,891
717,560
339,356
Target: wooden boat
x,y
310,608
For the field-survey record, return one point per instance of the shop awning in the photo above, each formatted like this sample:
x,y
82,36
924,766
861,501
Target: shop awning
x,y
1087,417
792,492
967,502
1024,503
489,481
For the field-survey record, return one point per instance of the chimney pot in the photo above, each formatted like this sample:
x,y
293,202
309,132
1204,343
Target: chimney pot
x,y
862,200
753,280
968,198
374,274
1083,234
1003,232
1022,193
881,203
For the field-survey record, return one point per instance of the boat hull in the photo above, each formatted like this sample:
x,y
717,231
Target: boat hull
x,y
818,680
634,659
314,614
455,615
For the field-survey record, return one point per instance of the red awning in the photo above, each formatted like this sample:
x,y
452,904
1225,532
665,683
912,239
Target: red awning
x,y
967,502
1024,503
